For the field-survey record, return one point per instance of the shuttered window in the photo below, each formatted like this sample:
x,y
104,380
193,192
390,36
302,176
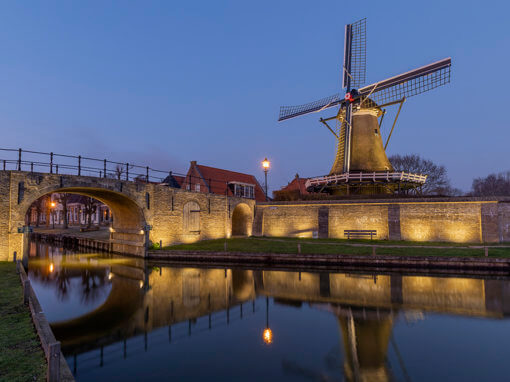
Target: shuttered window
x,y
191,217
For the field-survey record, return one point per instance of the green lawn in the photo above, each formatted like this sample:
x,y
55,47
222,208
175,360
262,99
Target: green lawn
x,y
332,246
21,355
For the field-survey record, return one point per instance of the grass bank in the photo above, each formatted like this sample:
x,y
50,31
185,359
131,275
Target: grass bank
x,y
21,355
338,246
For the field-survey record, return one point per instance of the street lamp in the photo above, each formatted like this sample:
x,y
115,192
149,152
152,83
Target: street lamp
x,y
52,205
265,166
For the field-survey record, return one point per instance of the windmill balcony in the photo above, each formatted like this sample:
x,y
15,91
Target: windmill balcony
x,y
367,177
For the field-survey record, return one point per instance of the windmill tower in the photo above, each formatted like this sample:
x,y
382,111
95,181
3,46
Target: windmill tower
x,y
361,165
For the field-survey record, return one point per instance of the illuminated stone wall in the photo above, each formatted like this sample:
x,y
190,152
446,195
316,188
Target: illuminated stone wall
x,y
134,205
364,216
291,221
440,219
454,222
4,215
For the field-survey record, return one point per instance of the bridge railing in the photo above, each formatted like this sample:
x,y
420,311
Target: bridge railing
x,y
54,163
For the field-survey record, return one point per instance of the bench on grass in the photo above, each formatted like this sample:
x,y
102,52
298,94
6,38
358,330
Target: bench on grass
x,y
360,233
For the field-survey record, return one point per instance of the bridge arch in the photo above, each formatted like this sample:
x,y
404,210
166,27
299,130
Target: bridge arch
x,y
128,234
242,220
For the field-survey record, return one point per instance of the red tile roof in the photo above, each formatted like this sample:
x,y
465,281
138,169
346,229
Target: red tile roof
x,y
297,184
216,180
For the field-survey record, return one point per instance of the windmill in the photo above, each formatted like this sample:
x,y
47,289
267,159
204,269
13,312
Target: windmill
x,y
361,165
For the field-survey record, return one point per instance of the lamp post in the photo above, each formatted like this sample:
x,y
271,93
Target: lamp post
x,y
52,205
265,166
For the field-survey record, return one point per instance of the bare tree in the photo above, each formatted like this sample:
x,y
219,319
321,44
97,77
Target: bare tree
x,y
492,185
63,199
437,180
89,208
120,170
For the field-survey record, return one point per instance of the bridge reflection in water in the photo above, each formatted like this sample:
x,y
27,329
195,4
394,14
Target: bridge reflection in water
x,y
146,296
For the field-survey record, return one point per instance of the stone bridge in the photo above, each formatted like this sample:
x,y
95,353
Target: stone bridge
x,y
142,212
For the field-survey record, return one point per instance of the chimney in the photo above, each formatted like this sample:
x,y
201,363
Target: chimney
x,y
193,163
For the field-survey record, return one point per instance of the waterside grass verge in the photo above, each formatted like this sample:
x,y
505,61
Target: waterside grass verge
x,y
21,355
352,247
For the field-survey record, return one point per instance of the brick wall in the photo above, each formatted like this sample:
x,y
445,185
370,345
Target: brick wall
x,y
440,219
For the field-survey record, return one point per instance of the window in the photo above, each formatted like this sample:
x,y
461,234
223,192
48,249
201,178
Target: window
x,y
244,191
249,192
197,187
191,218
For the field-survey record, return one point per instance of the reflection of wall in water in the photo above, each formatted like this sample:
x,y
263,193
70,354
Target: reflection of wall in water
x,y
443,294
179,294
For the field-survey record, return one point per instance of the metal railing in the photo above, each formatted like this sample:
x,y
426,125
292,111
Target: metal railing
x,y
367,177
54,163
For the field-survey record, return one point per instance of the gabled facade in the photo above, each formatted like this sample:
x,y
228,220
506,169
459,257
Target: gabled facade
x,y
213,180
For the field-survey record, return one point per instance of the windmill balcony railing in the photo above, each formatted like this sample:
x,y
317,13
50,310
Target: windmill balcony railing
x,y
367,177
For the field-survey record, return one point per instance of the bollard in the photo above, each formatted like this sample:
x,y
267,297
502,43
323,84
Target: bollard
x,y
54,362
373,250
486,251
161,244
14,256
299,248
26,292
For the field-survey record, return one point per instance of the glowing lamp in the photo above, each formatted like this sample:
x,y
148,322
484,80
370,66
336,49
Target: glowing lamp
x,y
53,204
110,276
267,336
266,164
51,268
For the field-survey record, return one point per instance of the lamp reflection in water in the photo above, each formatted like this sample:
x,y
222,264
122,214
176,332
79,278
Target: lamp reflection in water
x,y
51,268
267,335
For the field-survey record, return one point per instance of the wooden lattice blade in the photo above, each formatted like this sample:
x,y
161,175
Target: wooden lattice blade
x,y
287,112
409,84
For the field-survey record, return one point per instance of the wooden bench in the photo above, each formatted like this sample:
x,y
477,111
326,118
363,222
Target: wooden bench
x,y
360,233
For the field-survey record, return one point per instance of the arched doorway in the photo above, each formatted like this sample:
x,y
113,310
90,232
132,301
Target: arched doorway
x,y
242,220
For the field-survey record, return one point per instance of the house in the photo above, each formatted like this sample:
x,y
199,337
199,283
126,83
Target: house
x,y
292,191
213,180
42,212
174,181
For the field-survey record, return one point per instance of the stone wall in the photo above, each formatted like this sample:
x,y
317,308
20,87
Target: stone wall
x,y
425,219
142,213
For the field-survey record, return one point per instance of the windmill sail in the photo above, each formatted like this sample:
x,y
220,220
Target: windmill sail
x,y
409,84
287,112
355,54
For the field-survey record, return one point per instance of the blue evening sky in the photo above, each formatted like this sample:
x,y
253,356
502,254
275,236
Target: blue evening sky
x,y
166,82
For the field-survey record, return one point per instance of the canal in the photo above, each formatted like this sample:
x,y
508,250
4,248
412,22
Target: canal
x,y
126,319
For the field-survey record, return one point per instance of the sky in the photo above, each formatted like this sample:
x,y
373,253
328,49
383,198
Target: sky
x,y
162,83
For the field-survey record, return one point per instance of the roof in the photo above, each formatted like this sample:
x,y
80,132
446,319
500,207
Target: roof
x,y
297,184
216,179
174,181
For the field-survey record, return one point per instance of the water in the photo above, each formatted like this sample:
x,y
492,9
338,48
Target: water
x,y
127,319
